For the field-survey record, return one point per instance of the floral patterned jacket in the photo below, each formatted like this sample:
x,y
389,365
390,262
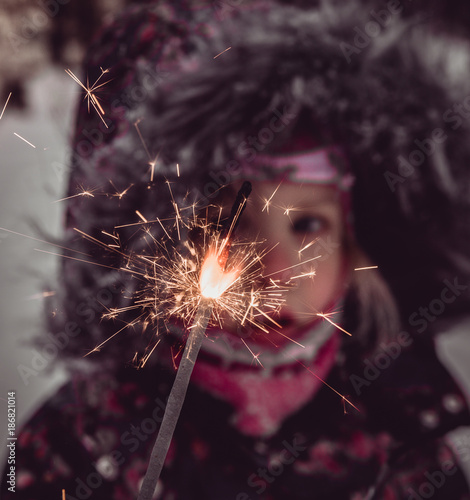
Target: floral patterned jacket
x,y
94,436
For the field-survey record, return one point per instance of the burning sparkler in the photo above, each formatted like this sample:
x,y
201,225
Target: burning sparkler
x,y
214,280
193,264
197,278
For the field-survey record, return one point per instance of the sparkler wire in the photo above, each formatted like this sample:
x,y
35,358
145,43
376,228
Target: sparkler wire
x,y
176,399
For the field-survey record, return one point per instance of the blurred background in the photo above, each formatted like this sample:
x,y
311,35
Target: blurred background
x,y
38,41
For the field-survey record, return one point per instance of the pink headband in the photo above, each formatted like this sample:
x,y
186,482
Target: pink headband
x,y
322,165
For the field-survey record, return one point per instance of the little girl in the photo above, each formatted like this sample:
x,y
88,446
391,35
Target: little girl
x,y
356,162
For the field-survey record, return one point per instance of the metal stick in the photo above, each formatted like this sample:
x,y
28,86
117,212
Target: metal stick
x,y
175,400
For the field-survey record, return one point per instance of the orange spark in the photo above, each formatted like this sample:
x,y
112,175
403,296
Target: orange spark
x,y
363,268
325,316
85,193
268,201
90,92
23,139
328,385
119,194
177,211
145,358
42,241
220,53
141,216
135,224
153,162
305,247
111,235
5,107
98,347
41,295
292,267
310,274
152,166
74,258
288,210
136,125
255,356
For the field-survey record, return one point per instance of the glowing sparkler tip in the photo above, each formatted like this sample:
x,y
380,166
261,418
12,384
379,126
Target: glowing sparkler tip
x,y
214,281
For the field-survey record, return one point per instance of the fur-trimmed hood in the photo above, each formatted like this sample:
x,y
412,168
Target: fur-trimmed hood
x,y
382,97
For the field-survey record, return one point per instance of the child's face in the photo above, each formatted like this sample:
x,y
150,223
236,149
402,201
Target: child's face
x,y
301,222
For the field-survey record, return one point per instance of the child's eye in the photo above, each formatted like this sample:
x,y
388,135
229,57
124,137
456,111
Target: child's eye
x,y
309,224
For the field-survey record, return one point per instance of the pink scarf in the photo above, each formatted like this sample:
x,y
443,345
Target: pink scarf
x,y
263,398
